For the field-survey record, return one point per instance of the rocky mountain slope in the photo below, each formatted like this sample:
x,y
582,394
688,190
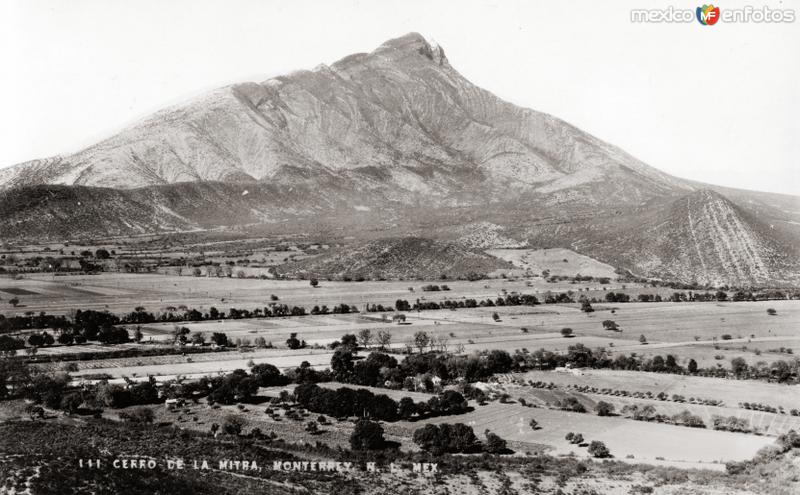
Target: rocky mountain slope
x,y
399,119
406,257
397,141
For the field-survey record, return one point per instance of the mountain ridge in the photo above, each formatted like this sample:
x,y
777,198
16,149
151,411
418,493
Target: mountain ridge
x,y
396,112
397,139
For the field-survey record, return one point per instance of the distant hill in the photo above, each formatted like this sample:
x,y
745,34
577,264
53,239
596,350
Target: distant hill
x,y
397,141
394,258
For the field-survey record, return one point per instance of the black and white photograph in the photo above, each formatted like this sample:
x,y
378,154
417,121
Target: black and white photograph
x,y
442,247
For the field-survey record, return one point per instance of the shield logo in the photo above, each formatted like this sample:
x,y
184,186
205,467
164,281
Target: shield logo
x,y
707,15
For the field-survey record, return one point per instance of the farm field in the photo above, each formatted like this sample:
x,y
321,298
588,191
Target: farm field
x,y
764,423
645,441
731,392
670,328
197,365
121,292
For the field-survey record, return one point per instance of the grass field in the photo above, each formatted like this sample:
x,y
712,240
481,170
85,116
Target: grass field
x,y
731,392
121,292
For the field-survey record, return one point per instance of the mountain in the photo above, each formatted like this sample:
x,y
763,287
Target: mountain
x,y
700,237
399,119
398,140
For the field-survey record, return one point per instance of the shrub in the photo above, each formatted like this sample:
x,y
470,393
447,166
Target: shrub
x,y
367,435
598,449
233,425
495,444
604,408
137,415
441,438
575,438
571,404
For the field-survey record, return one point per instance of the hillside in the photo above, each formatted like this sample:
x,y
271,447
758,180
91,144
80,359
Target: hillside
x,y
700,237
393,258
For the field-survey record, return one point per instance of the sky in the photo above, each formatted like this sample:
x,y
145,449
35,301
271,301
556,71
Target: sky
x,y
716,103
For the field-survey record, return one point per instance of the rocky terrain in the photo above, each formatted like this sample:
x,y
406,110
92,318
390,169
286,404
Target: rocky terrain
x,y
407,258
396,140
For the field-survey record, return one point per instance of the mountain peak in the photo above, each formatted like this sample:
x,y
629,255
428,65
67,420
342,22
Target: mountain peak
x,y
415,42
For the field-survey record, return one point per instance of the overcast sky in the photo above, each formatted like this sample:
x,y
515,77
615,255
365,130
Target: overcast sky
x,y
718,103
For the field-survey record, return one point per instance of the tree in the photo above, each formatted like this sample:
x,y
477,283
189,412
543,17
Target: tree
x,y
349,342
534,424
586,307
268,375
113,335
738,366
102,254
138,335
604,408
494,444
365,337
14,301
566,332
445,437
47,389
406,408
198,338
421,340
219,339
9,345
692,366
771,311
312,427
65,338
598,449
233,425
314,282
367,435
384,339
36,340
71,403
342,364
495,317
642,339
610,325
